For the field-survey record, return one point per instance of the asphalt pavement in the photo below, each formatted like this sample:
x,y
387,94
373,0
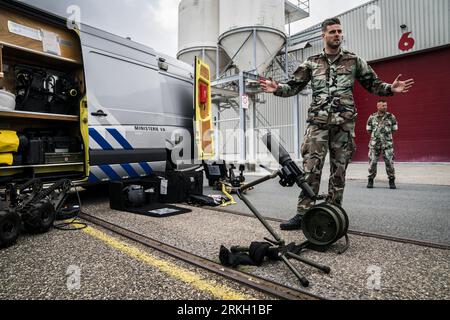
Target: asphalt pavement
x,y
413,211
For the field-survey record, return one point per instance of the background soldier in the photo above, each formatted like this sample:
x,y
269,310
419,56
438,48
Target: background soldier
x,y
332,115
381,125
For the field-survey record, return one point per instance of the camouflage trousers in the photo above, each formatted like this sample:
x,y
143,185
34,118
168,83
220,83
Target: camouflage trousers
x,y
340,141
388,155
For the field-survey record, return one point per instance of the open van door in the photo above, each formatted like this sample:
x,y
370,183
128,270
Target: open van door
x,y
204,131
41,74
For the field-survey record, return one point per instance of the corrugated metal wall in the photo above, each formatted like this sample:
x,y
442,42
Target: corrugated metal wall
x,y
371,38
374,39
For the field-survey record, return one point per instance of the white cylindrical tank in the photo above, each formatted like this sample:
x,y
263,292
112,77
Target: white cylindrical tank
x,y
252,31
198,32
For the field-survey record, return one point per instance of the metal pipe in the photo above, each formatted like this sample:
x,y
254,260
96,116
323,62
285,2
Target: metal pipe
x,y
259,181
321,267
2,75
260,218
254,52
302,279
243,121
296,124
217,62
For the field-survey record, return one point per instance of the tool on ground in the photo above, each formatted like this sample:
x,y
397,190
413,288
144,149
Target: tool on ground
x,y
324,223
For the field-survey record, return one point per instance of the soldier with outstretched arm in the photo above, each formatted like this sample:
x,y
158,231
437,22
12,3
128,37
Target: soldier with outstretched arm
x,y
332,114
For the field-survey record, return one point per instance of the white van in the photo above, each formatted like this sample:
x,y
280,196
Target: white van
x,y
90,106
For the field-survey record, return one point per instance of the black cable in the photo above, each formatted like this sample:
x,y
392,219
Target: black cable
x,y
66,226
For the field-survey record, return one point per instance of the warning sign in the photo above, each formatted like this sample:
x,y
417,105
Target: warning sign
x,y
245,102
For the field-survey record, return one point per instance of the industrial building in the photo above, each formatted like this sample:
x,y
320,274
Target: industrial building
x,y
395,36
94,205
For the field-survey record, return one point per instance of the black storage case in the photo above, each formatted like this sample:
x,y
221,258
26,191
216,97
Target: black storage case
x,y
181,185
35,153
215,172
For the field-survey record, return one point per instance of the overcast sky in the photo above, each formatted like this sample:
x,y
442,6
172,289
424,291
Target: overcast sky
x,y
155,22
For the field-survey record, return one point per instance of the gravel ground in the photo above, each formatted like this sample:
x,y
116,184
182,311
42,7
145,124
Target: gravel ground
x,y
37,268
370,269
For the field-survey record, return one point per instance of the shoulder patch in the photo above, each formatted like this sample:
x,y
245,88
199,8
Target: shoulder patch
x,y
315,57
349,53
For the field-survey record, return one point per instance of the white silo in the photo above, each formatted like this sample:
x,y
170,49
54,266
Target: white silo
x,y
198,32
252,31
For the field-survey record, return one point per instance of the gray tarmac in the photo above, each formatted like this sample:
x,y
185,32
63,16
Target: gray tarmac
x,y
413,211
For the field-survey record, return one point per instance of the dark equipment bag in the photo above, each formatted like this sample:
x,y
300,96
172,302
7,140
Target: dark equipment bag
x,y
181,184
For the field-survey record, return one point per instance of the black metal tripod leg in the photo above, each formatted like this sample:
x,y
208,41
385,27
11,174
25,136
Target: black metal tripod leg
x,y
347,245
260,218
323,268
304,282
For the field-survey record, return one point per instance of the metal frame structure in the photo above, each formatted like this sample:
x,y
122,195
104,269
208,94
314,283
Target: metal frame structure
x,y
232,85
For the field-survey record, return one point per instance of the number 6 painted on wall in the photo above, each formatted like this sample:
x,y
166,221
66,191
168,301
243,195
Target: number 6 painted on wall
x,y
406,42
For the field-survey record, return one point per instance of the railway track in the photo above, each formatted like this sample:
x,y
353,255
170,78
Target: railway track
x,y
259,284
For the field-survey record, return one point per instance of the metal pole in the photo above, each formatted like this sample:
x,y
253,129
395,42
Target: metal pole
x,y
260,217
313,264
254,133
217,62
2,75
255,65
252,129
286,64
243,120
302,279
217,133
296,117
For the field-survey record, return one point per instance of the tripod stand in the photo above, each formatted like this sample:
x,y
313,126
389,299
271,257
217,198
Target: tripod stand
x,y
278,242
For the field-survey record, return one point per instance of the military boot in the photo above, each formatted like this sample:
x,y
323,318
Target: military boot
x,y
392,184
294,224
370,184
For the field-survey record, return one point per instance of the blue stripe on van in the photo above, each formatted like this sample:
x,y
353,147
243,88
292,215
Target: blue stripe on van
x,y
110,172
120,139
99,139
93,178
129,169
146,167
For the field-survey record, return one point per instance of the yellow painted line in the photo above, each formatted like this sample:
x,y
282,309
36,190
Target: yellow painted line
x,y
218,291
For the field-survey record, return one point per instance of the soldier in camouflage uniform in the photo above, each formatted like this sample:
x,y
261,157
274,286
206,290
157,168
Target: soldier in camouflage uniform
x,y
381,125
332,115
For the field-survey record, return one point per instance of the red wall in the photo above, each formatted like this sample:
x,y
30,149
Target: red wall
x,y
423,113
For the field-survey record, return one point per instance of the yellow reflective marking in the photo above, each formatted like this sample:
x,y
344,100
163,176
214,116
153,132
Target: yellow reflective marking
x,y
221,292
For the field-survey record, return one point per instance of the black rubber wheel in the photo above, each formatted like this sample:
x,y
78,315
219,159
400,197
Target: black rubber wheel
x,y
9,228
39,217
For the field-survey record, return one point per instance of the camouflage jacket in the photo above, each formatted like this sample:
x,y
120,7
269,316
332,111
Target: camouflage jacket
x,y
332,85
381,130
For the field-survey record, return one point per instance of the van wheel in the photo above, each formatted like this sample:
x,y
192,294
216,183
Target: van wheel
x,y
9,228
